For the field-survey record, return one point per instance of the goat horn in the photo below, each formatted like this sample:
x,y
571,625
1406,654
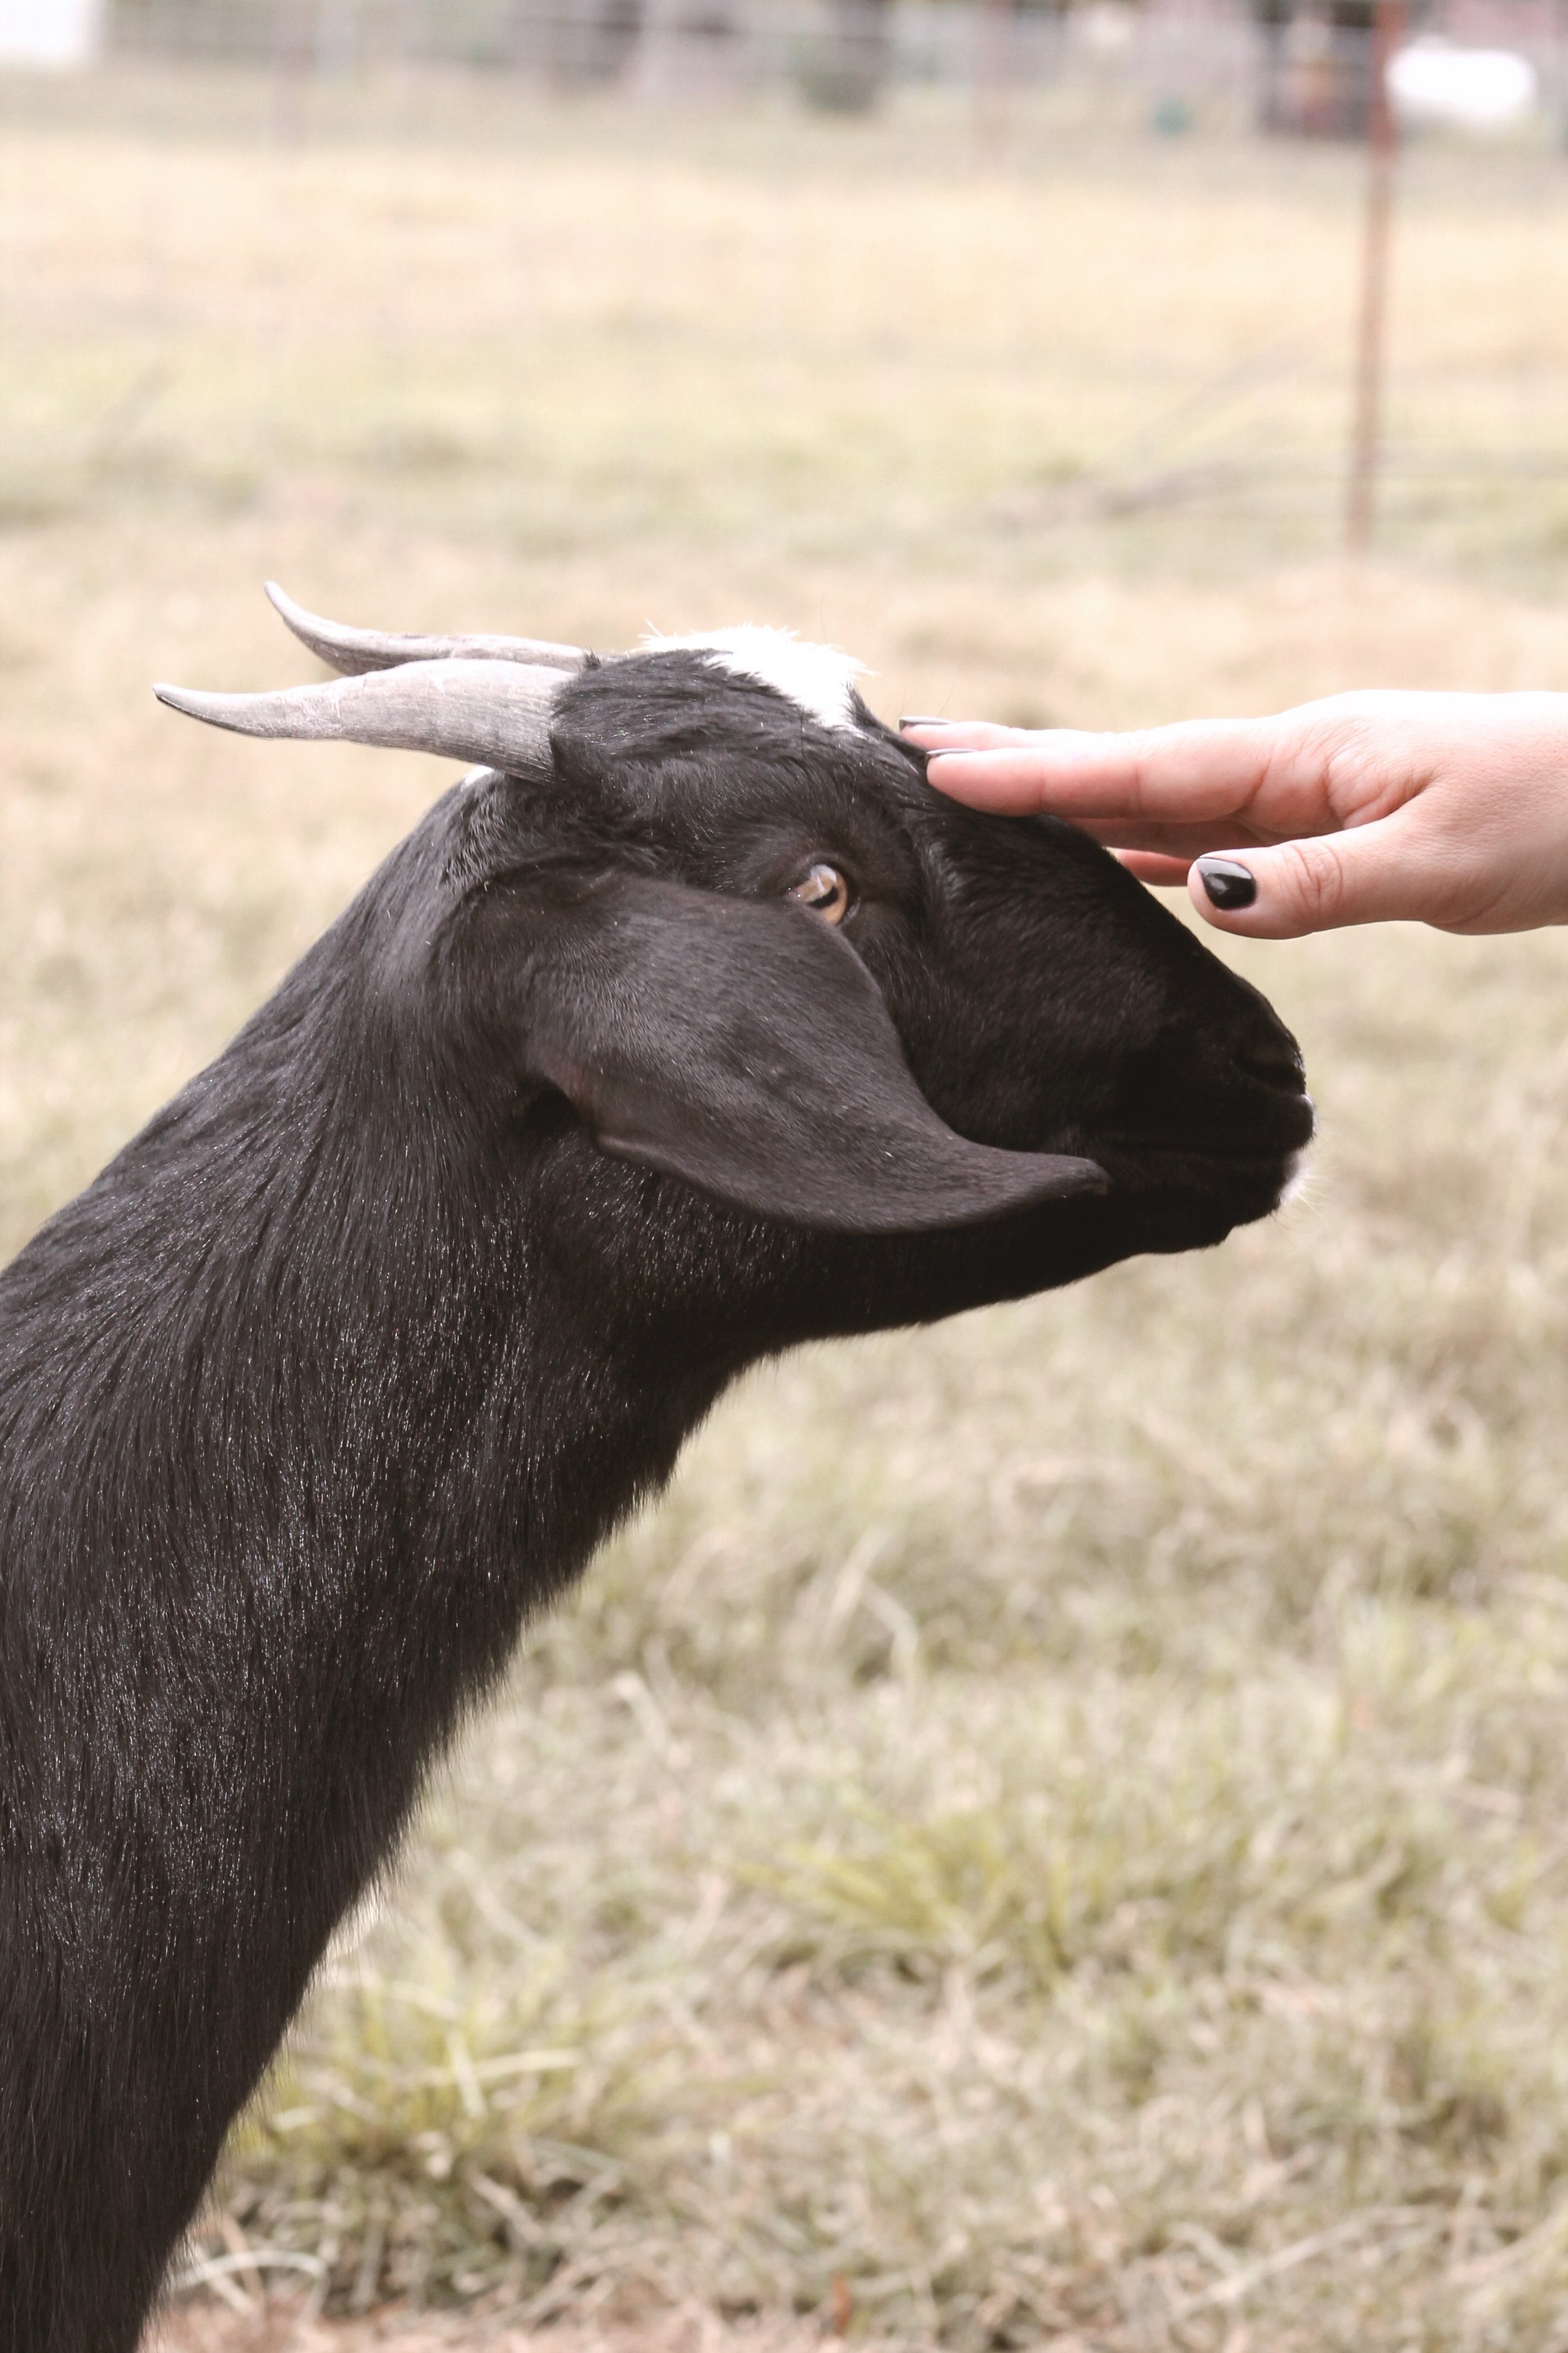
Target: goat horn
x,y
354,651
489,715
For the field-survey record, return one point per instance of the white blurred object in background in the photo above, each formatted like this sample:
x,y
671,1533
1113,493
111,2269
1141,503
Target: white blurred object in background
x,y
49,32
1435,82
1106,27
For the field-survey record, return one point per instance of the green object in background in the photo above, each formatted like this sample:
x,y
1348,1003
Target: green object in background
x,y
1171,118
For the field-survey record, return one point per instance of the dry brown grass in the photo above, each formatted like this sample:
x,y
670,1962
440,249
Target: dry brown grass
x,y
1054,1831
279,2323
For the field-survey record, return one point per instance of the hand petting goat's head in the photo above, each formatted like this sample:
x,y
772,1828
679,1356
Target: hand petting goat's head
x,y
757,954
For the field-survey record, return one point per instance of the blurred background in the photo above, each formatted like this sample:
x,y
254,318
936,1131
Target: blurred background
x,y
1053,1833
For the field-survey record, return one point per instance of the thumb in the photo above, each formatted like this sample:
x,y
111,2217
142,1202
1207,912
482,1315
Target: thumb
x,y
1385,872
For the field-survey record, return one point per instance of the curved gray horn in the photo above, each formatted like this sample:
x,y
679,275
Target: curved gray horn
x,y
485,713
354,651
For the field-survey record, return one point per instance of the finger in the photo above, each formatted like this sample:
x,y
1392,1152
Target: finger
x,y
1196,771
1395,869
1017,775
1182,842
1160,873
961,734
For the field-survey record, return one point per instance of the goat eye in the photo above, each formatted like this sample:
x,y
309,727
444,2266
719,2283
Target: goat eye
x,y
825,892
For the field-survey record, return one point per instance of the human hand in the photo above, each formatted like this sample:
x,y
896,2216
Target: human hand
x,y
1449,809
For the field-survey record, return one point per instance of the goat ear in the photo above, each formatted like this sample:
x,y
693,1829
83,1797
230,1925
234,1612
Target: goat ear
x,y
745,1048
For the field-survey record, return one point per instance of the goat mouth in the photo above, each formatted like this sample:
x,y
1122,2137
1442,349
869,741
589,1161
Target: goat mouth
x,y
1275,1145
1268,1173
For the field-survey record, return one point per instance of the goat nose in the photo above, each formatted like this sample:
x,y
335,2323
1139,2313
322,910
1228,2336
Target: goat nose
x,y
1275,1061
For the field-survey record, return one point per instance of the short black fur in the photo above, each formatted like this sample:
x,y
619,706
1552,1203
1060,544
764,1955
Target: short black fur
x,y
348,1362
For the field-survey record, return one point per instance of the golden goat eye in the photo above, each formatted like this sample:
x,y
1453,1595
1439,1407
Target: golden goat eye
x,y
825,892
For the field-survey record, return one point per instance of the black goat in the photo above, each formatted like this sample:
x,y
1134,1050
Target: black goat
x,y
693,1026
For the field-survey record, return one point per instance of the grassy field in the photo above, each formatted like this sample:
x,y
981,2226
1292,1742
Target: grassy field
x,y
1054,1831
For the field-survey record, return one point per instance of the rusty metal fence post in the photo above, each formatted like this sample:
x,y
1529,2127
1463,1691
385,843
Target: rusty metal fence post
x,y
1382,147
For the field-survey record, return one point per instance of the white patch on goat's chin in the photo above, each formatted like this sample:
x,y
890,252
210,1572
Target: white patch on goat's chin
x,y
1297,1178
818,678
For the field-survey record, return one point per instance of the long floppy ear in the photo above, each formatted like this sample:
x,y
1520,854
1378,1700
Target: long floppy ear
x,y
744,1048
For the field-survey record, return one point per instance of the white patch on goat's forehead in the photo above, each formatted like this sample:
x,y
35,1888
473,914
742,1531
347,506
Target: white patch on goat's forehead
x,y
818,678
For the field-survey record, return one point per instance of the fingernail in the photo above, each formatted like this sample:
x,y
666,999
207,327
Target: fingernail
x,y
1227,885
919,718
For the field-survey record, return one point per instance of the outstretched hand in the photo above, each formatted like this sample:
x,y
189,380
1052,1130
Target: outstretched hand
x,y
1449,809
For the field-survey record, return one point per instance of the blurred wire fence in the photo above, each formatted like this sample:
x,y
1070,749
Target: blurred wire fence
x,y
1282,66
1139,339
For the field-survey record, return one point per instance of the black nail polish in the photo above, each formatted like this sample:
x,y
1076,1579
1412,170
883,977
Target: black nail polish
x,y
1228,885
919,718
